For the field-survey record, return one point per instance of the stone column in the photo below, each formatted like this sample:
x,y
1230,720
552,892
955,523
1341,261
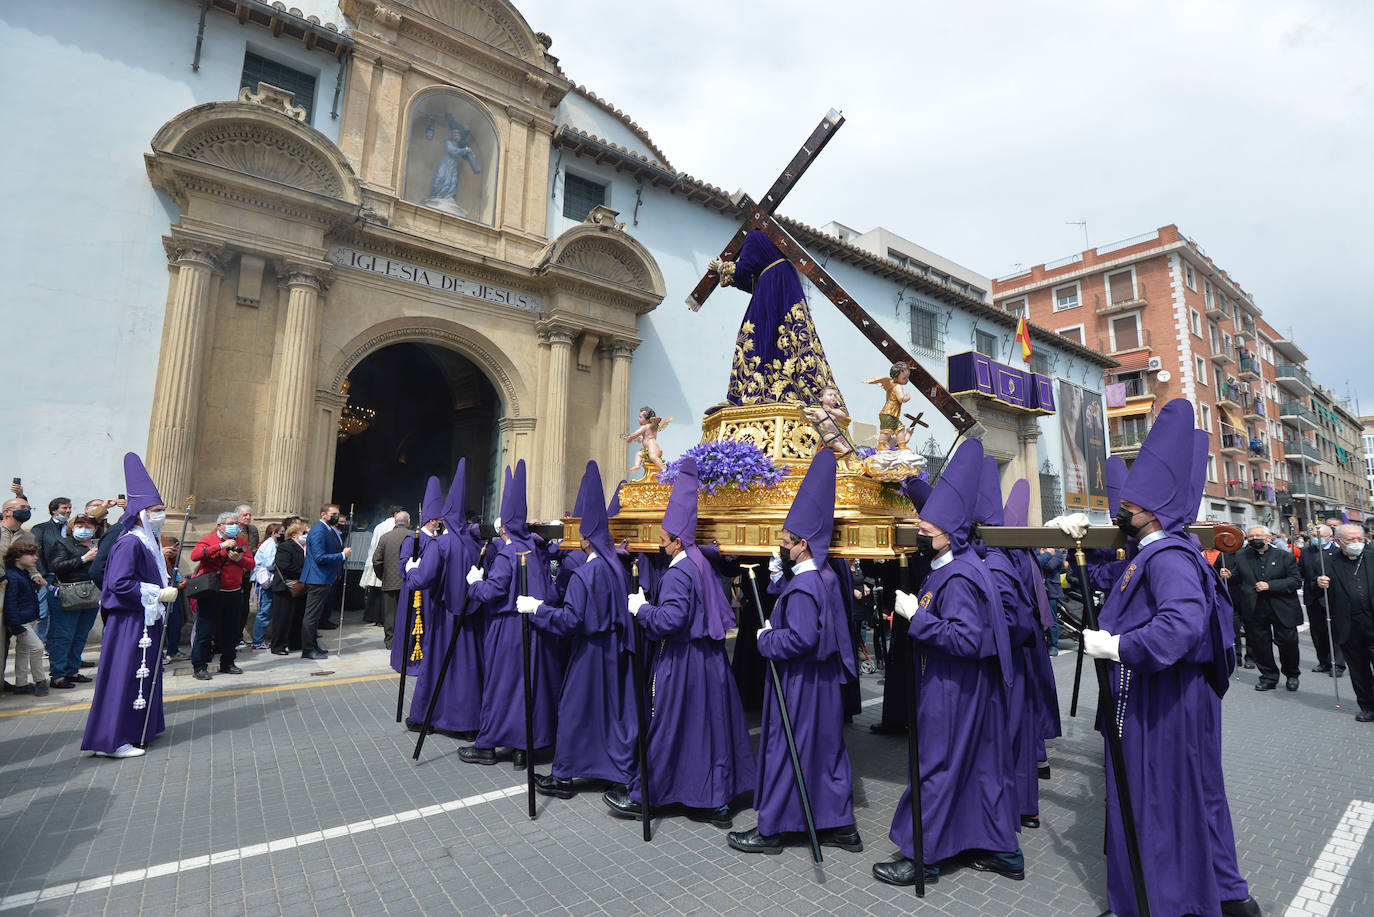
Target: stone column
x,y
176,396
292,403
1030,462
621,352
555,420
353,126
390,121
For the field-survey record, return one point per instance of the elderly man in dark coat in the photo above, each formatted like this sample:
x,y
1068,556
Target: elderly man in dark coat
x,y
1264,582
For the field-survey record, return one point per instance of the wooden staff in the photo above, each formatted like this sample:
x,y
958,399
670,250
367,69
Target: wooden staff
x,y
529,686
913,750
1112,728
641,665
787,729
412,609
343,590
443,667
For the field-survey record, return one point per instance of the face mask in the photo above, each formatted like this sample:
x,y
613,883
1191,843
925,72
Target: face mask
x,y
300,539
82,534
21,515
332,518
1354,549
231,530
1125,520
1318,542
155,520
662,551
785,556
1258,543
60,519
925,545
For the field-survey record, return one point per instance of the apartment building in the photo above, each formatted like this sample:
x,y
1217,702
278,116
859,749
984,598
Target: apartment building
x,y
1337,485
1178,325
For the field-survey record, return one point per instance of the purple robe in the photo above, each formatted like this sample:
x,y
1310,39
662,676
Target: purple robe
x,y
1044,693
966,797
1023,716
804,639
700,754
597,727
401,640
503,694
113,721
1174,622
442,580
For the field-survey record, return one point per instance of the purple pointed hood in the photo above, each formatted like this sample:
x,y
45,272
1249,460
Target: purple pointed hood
x,y
591,513
613,508
1017,509
433,505
505,494
917,490
455,510
139,490
1116,479
680,518
812,515
988,509
1161,479
514,506
955,495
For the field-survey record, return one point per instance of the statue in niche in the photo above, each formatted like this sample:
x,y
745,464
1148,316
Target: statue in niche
x,y
443,192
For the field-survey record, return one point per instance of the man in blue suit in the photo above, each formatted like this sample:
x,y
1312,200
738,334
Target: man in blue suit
x,y
324,558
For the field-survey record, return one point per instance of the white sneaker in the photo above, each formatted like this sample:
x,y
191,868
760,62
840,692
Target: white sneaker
x,y
124,751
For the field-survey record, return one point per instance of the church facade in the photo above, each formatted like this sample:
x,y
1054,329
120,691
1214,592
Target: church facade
x,y
318,254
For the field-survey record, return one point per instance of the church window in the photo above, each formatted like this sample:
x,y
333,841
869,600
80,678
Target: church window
x,y
925,330
452,157
985,343
580,195
258,69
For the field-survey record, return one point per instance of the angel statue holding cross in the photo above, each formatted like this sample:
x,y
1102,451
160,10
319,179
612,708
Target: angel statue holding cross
x,y
778,355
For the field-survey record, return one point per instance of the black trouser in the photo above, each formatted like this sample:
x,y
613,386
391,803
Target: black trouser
x,y
287,613
217,619
244,608
391,600
1263,631
1359,659
880,641
1321,635
316,610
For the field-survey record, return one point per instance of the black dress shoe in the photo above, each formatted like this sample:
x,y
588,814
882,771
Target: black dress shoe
x,y
232,670
1338,671
846,838
87,665
902,871
621,803
59,683
988,864
752,842
280,651
1323,668
882,729
1030,821
1266,685
549,785
719,817
1292,683
325,625
518,758
471,754
1043,771
1247,908
321,649
202,675
313,654
1365,716
1249,663
81,679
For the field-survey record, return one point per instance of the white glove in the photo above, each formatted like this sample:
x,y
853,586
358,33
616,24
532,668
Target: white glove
x,y
905,604
774,567
1075,525
168,594
475,576
637,601
497,526
767,625
527,604
1101,645
412,564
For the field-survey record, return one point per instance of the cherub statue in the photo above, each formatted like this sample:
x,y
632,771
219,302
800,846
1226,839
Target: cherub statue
x,y
827,419
890,415
650,425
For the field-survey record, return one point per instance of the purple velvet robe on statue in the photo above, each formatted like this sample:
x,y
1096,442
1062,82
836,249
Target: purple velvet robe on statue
x,y
442,576
113,721
805,638
503,695
700,753
597,729
1175,625
961,709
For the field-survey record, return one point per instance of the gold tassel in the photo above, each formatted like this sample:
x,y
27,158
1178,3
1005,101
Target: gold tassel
x,y
418,630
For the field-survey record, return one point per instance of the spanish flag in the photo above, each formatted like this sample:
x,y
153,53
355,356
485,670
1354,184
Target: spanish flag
x,y
1023,334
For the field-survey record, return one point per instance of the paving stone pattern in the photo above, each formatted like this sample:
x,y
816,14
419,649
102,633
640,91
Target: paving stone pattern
x,y
238,771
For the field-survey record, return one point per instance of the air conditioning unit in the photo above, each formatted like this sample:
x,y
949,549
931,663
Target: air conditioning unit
x,y
1156,364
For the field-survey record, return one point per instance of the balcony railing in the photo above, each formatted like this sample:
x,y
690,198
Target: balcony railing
x,y
1252,406
1298,413
1120,305
1130,440
1105,344
1259,447
1248,365
1300,490
1298,450
1230,393
1232,442
1221,355
1294,378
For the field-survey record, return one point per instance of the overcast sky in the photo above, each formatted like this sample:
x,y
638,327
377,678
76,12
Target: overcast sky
x,y
978,129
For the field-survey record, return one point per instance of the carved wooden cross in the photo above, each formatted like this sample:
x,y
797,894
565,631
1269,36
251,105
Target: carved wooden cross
x,y
760,216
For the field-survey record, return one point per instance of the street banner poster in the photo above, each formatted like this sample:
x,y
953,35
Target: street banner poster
x,y
1095,449
1075,449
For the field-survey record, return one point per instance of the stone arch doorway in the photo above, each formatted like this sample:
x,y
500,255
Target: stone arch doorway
x,y
414,408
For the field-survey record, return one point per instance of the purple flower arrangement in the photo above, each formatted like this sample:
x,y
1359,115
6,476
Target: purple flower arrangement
x,y
723,463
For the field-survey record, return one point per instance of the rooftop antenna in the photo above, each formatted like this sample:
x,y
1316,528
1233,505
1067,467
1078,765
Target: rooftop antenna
x,y
1084,224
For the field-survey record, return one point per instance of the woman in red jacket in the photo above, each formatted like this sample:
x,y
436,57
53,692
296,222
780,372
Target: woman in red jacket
x,y
223,551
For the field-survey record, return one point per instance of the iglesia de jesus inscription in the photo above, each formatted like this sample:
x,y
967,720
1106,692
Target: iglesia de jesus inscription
x,y
434,279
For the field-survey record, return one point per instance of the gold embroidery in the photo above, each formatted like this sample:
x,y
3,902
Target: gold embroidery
x,y
800,375
1126,577
925,600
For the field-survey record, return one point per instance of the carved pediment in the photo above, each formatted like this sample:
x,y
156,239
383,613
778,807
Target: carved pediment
x,y
489,21
605,259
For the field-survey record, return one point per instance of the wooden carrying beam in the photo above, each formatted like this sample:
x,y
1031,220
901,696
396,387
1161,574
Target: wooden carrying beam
x,y
1221,537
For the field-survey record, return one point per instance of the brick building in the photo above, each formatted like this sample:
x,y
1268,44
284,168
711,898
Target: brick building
x,y
1179,326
